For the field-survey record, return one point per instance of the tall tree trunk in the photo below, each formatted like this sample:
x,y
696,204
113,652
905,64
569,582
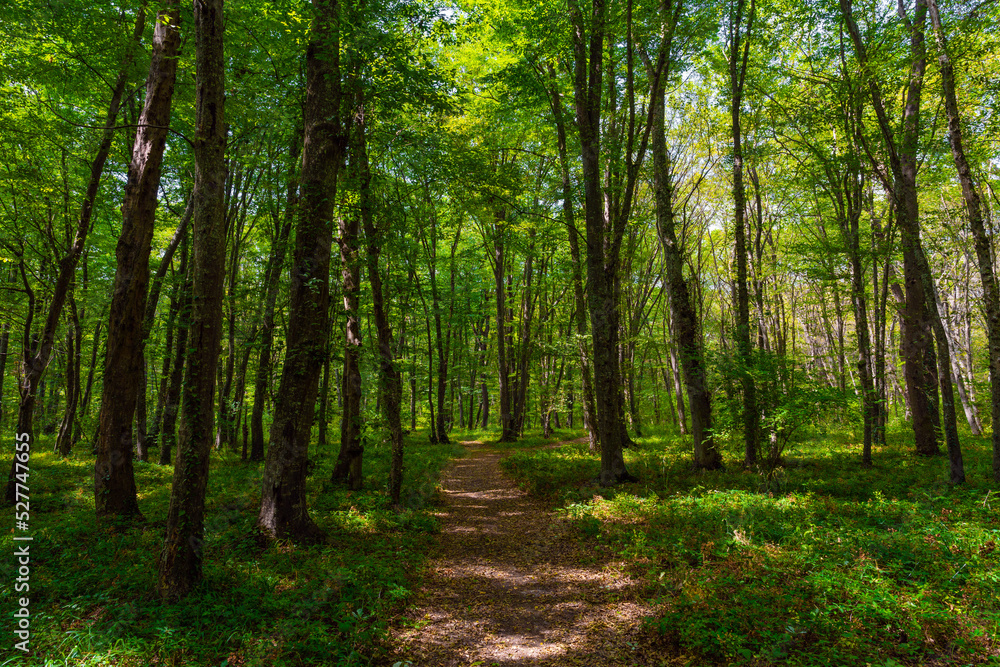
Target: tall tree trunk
x,y
324,406
684,317
275,266
4,346
391,384
141,453
524,347
350,457
85,402
579,300
74,340
738,57
180,566
917,335
168,358
984,255
283,511
172,399
606,224
124,366
847,193
507,427
34,364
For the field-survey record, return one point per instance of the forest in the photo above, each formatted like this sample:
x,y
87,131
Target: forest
x,y
522,332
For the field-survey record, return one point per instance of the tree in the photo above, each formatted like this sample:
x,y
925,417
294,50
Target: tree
x,y
283,510
901,182
114,482
37,353
739,42
606,220
180,566
973,206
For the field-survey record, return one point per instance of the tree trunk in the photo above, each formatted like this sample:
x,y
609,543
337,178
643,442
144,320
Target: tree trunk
x,y
520,397
180,565
74,340
275,266
350,457
34,365
172,399
391,385
124,366
283,511
917,336
507,427
848,200
4,346
686,327
85,402
168,357
140,414
738,56
324,406
604,235
984,255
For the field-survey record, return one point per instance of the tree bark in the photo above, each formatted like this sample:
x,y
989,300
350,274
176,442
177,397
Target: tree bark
x,y
172,399
738,57
984,254
283,511
917,336
606,224
114,482
391,384
847,191
168,362
507,427
686,327
275,266
351,455
74,340
180,565
4,347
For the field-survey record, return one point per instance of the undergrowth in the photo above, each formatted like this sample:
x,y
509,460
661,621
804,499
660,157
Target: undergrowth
x,y
825,563
93,598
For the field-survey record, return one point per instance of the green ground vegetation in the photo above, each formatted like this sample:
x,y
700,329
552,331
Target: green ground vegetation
x,y
93,599
820,562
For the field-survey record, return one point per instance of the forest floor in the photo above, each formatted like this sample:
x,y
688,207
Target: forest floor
x,y
511,583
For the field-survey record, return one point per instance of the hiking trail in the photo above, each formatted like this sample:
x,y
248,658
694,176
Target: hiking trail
x,y
510,583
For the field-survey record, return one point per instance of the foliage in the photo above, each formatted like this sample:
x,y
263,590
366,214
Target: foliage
x,y
92,595
845,567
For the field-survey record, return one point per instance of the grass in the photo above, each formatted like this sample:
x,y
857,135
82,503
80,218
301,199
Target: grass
x,y
825,564
93,598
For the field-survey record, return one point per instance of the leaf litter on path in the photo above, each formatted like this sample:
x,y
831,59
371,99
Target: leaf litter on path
x,y
509,583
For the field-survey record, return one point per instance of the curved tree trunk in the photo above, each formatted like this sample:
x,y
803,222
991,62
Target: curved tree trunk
x,y
124,366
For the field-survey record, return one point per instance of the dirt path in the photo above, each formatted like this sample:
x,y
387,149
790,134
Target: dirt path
x,y
510,584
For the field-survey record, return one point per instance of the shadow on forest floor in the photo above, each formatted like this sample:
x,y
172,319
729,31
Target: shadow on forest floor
x,y
510,583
